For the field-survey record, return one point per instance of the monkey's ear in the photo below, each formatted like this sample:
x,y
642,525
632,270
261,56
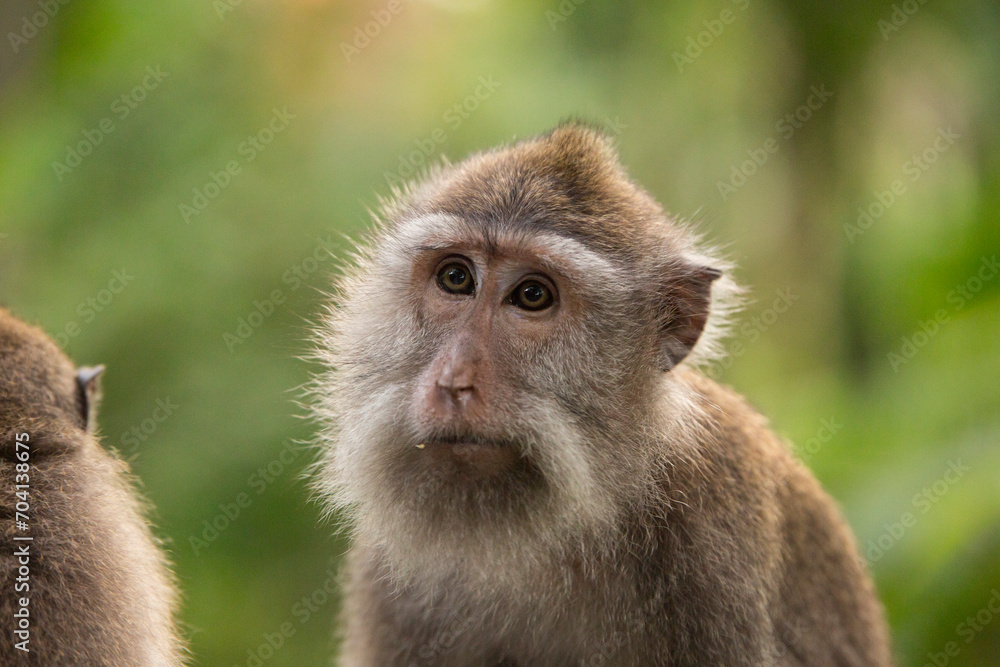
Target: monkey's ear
x,y
88,380
687,312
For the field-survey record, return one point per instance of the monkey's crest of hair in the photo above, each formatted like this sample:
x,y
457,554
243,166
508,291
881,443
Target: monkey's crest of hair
x,y
640,269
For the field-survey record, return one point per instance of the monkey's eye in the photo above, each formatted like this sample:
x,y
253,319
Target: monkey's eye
x,y
531,295
456,277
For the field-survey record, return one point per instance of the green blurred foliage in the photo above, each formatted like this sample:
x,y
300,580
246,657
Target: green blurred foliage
x,y
691,91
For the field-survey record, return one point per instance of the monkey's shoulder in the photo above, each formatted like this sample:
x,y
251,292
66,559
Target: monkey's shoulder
x,y
730,416
731,438
742,477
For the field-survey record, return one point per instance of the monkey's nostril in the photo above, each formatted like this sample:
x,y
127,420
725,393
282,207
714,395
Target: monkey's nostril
x,y
453,395
456,389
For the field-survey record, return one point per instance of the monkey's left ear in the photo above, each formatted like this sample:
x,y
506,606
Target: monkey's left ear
x,y
688,307
88,380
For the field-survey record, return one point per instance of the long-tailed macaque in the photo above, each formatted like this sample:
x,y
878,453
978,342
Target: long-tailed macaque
x,y
84,583
532,468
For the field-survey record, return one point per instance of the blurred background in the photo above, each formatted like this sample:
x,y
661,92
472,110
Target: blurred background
x,y
177,179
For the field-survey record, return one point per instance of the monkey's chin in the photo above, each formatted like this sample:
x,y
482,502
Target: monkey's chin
x,y
470,458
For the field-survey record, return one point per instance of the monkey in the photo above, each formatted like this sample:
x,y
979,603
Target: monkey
x,y
84,583
515,432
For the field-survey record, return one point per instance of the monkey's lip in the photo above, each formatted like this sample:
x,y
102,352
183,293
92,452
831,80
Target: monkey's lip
x,y
484,455
466,441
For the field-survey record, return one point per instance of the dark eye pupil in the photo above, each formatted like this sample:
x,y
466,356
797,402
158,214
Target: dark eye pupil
x,y
533,293
456,276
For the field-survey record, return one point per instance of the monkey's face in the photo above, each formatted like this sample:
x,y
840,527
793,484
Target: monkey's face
x,y
492,320
486,392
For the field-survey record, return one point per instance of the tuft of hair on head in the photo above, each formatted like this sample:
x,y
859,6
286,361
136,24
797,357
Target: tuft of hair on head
x,y
698,273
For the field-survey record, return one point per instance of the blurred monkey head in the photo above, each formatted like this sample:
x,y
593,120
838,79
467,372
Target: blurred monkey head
x,y
39,385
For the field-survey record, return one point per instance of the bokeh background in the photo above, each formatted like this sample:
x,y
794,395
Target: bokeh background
x,y
177,178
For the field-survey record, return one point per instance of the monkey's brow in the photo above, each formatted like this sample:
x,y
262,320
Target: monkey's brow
x,y
563,253
432,247
491,249
444,245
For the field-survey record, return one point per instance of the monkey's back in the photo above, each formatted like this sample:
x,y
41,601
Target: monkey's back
x,y
97,587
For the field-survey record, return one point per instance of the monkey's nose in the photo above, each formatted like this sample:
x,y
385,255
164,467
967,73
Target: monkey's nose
x,y
455,390
453,381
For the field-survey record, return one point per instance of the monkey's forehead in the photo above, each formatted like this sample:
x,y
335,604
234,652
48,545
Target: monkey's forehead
x,y
568,182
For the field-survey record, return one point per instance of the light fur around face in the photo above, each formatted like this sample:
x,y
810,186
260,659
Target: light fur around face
x,y
577,484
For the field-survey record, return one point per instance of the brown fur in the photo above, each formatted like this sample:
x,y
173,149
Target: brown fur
x,y
100,591
565,488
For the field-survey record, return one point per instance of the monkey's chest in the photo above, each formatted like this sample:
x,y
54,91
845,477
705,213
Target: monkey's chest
x,y
593,625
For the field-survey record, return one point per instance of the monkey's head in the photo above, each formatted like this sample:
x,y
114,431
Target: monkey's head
x,y
41,391
501,362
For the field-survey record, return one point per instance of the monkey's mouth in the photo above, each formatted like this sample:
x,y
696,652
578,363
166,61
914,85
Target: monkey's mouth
x,y
472,454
